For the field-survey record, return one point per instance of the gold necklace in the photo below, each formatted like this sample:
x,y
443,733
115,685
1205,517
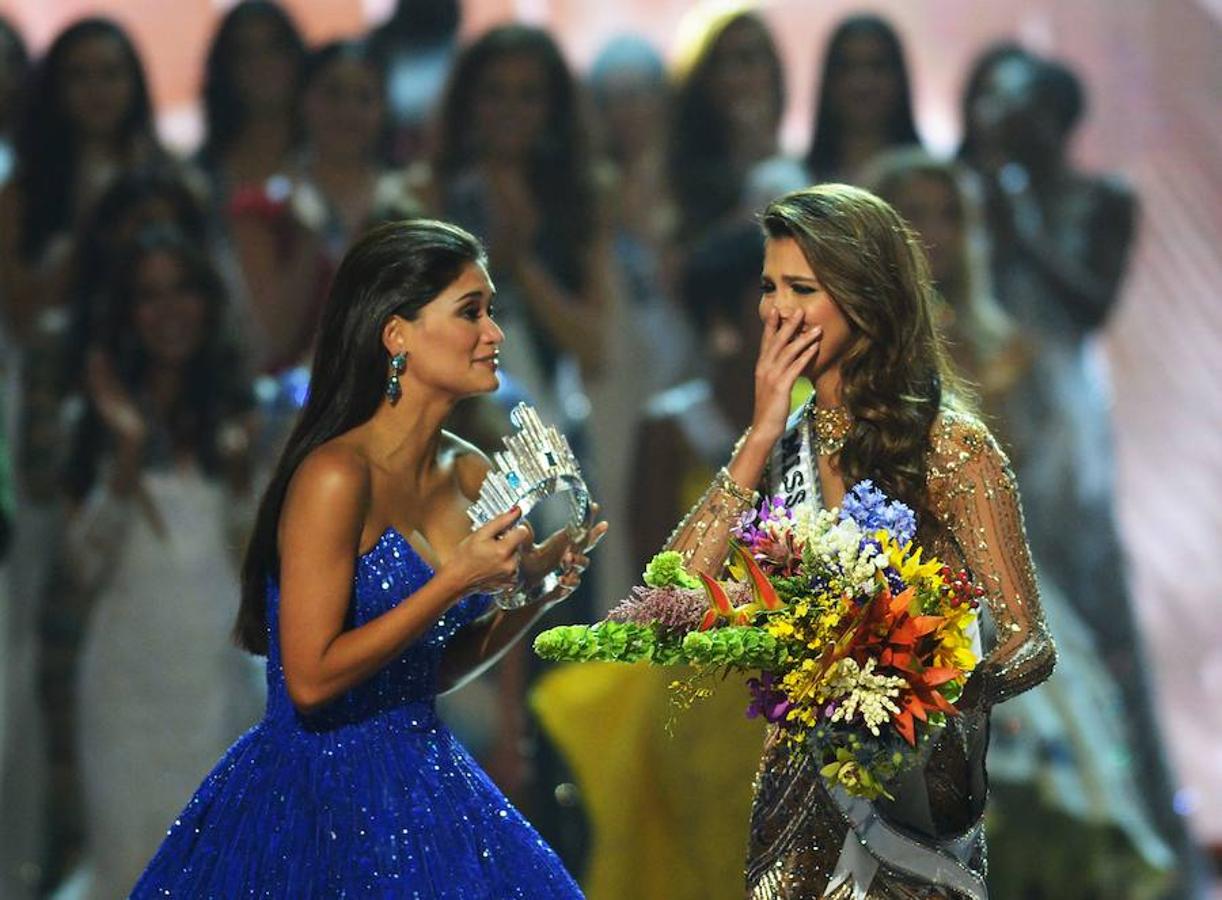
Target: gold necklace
x,y
832,427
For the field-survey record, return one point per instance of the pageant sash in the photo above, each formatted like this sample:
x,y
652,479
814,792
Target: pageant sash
x,y
793,471
871,842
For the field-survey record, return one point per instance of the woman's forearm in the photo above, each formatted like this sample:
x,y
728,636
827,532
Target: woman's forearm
x,y
355,655
750,458
703,537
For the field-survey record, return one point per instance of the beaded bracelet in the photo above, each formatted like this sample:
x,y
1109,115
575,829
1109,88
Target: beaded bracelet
x,y
725,481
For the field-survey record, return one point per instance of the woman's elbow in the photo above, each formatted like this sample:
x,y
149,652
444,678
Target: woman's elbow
x,y
306,695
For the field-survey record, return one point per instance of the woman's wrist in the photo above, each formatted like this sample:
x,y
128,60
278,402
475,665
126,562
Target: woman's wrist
x,y
761,437
453,582
727,482
746,468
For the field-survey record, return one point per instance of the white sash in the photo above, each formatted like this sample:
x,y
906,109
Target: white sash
x,y
793,471
793,475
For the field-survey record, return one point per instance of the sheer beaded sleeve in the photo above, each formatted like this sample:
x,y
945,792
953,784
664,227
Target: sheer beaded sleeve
x,y
974,494
703,537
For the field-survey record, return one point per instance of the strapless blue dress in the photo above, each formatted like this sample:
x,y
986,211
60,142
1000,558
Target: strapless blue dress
x,y
370,797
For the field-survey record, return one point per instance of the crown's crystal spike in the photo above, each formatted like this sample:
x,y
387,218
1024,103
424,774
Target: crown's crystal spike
x,y
536,463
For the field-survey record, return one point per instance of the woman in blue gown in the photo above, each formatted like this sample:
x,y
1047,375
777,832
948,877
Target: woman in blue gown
x,y
368,592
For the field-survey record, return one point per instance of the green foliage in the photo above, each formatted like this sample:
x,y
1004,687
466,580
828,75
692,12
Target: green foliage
x,y
741,647
608,642
793,588
666,570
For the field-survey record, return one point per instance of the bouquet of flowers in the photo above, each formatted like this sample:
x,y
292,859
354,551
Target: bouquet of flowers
x,y
857,647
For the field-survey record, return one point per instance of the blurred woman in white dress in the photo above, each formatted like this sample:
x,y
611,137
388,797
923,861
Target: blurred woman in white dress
x,y
160,478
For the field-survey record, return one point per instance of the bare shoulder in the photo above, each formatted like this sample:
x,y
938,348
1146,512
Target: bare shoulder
x,y
471,464
335,476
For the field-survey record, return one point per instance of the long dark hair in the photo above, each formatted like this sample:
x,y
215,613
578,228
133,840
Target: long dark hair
x,y
418,23
824,157
699,157
225,113
47,145
561,174
347,50
360,52
214,390
896,375
13,46
95,252
16,44
394,270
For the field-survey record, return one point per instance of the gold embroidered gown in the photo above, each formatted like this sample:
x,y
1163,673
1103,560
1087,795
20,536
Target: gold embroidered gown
x,y
797,829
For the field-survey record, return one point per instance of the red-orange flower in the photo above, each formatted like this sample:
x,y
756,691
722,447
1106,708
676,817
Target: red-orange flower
x,y
889,632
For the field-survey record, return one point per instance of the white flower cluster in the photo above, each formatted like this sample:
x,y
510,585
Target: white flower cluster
x,y
836,545
860,690
809,524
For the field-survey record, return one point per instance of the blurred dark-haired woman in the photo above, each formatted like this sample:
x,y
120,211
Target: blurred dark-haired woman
x,y
631,91
513,165
942,202
137,199
865,100
672,793
344,113
252,79
159,477
1062,239
1082,810
290,231
729,100
975,150
86,117
252,140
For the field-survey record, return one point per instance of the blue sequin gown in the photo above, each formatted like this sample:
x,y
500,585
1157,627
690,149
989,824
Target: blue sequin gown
x,y
371,797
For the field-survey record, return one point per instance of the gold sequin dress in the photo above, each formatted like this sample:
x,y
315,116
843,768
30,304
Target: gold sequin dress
x,y
797,829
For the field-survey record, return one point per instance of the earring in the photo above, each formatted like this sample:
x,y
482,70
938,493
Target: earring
x,y
398,363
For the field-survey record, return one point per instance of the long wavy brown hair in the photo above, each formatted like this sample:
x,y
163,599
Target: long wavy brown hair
x,y
896,375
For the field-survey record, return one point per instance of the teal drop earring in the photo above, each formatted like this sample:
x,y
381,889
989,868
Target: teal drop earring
x,y
398,363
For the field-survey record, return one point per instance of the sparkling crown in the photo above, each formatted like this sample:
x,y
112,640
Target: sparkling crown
x,y
537,462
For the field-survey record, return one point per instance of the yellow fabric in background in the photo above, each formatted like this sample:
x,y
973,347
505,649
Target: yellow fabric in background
x,y
668,815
